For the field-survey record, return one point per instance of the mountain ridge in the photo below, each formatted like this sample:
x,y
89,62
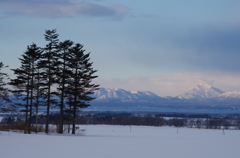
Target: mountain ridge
x,y
200,99
200,92
234,94
204,98
121,94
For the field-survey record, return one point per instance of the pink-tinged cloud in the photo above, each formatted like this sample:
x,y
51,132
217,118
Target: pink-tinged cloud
x,y
119,8
58,9
175,84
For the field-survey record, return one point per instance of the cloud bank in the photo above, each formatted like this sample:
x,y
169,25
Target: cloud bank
x,y
202,49
59,8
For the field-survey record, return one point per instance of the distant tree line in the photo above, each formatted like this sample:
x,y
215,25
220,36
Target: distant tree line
x,y
59,74
148,120
137,120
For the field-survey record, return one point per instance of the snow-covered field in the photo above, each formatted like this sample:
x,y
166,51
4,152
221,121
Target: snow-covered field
x,y
102,141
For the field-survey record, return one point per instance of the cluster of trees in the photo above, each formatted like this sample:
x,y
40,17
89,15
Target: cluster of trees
x,y
124,119
58,74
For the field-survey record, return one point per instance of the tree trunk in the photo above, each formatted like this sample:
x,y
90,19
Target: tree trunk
x,y
48,96
26,114
26,119
37,102
74,119
31,102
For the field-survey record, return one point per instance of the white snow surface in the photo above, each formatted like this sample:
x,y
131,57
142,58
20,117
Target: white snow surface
x,y
106,141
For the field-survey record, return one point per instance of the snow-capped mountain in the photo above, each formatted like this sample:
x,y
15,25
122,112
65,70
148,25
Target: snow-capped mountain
x,y
121,94
232,95
202,98
201,91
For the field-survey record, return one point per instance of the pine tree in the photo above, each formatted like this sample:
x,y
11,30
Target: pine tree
x,y
34,54
48,63
63,76
39,77
24,82
4,92
79,87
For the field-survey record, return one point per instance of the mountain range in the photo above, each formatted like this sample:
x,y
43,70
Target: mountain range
x,y
202,97
121,94
200,92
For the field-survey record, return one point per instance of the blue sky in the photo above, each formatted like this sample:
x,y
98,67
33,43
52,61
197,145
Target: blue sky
x,y
164,46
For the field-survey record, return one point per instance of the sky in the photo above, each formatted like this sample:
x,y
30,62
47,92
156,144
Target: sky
x,y
163,46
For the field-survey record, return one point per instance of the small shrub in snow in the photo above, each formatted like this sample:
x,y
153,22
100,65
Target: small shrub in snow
x,y
81,132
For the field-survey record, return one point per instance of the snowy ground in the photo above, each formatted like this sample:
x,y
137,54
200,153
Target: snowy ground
x,y
102,141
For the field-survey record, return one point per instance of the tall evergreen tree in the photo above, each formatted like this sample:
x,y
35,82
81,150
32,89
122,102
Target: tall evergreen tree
x,y
48,64
4,92
21,91
39,77
63,75
34,53
25,80
79,87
